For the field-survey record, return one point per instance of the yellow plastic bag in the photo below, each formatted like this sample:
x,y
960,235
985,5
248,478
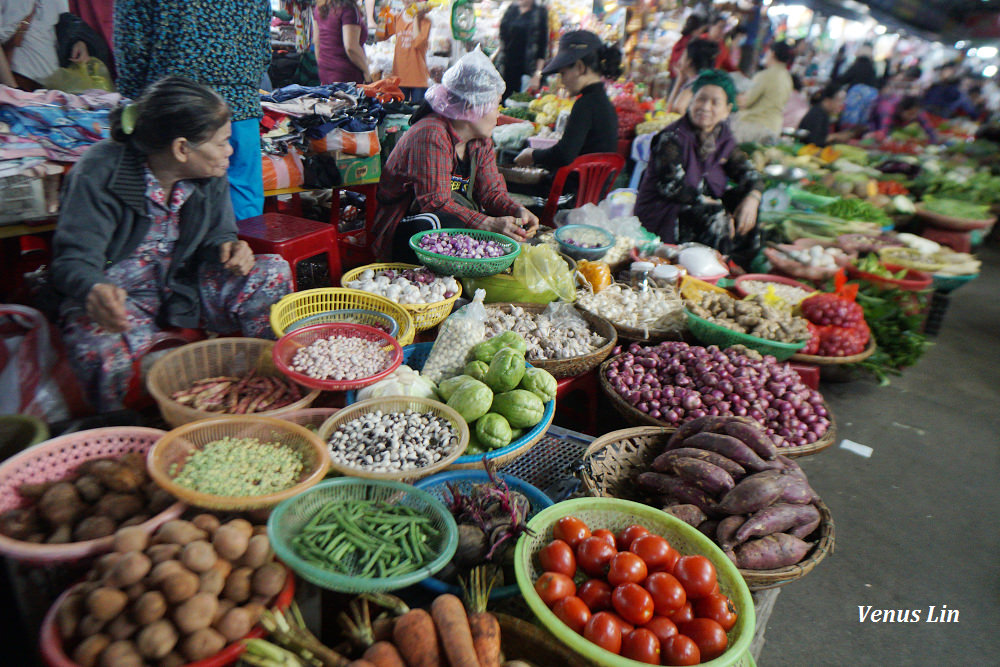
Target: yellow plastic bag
x,y
539,275
80,77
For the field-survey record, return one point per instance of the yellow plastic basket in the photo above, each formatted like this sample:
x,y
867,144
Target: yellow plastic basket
x,y
425,315
299,305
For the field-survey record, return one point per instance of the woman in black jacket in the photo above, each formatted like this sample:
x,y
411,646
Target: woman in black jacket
x,y
524,35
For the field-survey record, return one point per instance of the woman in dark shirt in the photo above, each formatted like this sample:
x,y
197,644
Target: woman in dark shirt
x,y
524,33
593,123
816,123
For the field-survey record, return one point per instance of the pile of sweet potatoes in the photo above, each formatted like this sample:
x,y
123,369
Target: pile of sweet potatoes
x,y
724,476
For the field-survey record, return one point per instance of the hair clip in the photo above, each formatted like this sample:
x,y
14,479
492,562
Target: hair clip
x,y
128,119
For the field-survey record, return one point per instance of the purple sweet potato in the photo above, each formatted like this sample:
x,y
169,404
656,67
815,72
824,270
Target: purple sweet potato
x,y
754,437
771,552
778,518
668,485
731,448
754,493
804,531
706,476
726,532
662,462
708,528
797,492
688,513
689,428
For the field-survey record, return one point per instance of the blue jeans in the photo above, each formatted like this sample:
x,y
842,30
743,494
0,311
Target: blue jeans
x,y
246,174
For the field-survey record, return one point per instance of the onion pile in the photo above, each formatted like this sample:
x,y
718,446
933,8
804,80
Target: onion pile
x,y
462,245
675,382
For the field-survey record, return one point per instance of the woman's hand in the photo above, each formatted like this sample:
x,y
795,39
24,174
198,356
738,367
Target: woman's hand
x,y
507,225
237,257
746,213
79,54
106,305
525,158
536,81
529,221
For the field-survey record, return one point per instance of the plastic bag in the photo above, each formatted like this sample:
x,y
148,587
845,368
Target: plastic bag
x,y
597,274
456,337
282,171
512,135
80,77
564,315
539,275
364,144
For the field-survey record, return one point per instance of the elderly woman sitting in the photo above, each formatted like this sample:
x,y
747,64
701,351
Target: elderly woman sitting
x,y
699,186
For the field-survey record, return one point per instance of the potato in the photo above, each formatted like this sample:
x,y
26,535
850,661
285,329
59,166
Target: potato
x,y
223,566
159,500
36,491
149,608
237,586
89,625
202,644
230,541
199,556
136,461
116,476
105,603
255,609
119,506
106,562
89,650
93,528
258,552
245,526
196,612
121,653
63,535
179,586
136,520
89,488
68,615
131,539
163,570
121,627
162,552
179,532
157,639
20,523
61,504
207,522
35,538
130,569
172,659
268,580
222,610
212,582
235,624
135,591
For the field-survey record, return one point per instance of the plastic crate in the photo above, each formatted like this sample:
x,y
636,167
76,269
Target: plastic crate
x,y
21,198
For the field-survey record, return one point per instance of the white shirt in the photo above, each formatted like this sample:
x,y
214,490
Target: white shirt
x,y
36,57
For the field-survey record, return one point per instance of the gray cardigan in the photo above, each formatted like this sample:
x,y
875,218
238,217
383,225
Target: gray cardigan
x,y
104,218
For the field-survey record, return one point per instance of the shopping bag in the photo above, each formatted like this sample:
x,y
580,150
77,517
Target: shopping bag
x,y
80,77
539,275
362,144
282,171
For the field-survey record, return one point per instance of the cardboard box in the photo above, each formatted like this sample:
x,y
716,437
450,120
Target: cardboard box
x,y
356,170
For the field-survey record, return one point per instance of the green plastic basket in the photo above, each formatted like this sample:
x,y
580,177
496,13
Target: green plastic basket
x,y
465,267
614,515
710,333
288,519
946,283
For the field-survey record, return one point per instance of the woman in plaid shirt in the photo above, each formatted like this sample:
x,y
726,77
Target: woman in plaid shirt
x,y
443,172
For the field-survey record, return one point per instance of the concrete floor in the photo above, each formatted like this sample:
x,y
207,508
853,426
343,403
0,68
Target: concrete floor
x,y
916,523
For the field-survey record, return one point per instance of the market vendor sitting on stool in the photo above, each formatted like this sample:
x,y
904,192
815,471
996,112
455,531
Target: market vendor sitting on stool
x,y
443,172
592,126
146,239
699,187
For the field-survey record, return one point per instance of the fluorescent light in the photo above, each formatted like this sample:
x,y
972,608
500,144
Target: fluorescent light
x,y
971,53
990,71
880,29
987,52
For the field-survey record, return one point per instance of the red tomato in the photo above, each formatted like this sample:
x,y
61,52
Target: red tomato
x,y
573,612
682,615
625,537
679,650
607,536
653,550
708,635
596,594
717,607
633,603
641,645
671,561
622,623
552,587
602,629
667,593
557,556
570,530
696,574
662,627
626,568
594,555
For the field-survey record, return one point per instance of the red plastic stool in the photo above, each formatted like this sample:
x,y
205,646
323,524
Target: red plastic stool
x,y
295,239
577,402
808,373
954,239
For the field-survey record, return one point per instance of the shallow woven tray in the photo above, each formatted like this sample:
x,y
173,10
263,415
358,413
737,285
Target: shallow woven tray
x,y
836,361
949,222
525,641
565,368
611,462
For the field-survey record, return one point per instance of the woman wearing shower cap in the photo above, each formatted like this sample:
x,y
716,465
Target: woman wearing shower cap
x,y
699,187
443,172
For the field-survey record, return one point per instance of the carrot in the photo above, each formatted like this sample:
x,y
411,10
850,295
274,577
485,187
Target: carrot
x,y
453,629
382,629
383,654
415,638
360,662
486,638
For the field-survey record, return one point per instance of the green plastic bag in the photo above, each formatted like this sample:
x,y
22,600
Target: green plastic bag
x,y
80,77
539,275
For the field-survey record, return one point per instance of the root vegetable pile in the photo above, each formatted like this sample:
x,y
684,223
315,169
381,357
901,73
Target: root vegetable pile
x,y
239,467
341,358
93,501
751,316
463,245
239,394
545,338
393,441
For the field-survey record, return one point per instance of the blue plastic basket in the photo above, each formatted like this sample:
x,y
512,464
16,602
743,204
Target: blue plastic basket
x,y
436,485
578,252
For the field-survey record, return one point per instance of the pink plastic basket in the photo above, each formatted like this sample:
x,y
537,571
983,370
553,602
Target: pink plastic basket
x,y
53,459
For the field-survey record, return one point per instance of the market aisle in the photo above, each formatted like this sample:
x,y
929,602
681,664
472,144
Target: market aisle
x,y
916,523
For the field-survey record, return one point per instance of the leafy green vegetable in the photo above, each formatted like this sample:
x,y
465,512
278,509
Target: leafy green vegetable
x,y
857,209
820,189
522,97
895,318
955,208
520,114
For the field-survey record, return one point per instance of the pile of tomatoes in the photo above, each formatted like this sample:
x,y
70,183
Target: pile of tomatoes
x,y
639,598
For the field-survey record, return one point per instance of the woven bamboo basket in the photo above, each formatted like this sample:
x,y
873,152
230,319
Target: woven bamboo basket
x,y
612,461
525,641
565,368
638,335
425,315
836,361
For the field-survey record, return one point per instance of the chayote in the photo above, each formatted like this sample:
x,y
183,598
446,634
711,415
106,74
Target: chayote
x,y
506,370
472,400
485,351
521,408
493,430
540,383
449,386
475,447
477,369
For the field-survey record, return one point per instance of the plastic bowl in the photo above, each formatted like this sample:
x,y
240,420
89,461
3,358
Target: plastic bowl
x,y
566,232
615,515
912,280
466,267
463,480
288,519
369,318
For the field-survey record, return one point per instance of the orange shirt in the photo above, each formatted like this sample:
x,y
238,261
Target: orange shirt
x,y
409,62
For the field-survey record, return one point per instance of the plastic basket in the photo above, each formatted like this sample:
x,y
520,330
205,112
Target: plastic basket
x,y
54,654
425,315
466,267
912,281
291,342
18,432
946,283
54,459
288,519
710,333
311,418
369,318
949,222
176,445
577,252
463,480
615,515
398,404
298,305
178,369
